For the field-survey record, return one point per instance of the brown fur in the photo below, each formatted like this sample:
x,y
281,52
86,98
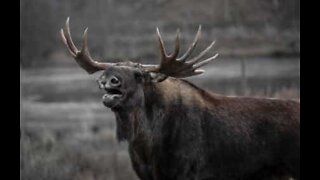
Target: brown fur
x,y
176,130
205,135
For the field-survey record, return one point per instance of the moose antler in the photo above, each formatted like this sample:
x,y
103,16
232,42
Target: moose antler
x,y
170,65
179,67
82,57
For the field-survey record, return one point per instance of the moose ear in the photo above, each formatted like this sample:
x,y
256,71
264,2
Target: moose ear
x,y
157,77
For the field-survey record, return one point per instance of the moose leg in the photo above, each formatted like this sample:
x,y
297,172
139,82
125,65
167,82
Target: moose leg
x,y
142,170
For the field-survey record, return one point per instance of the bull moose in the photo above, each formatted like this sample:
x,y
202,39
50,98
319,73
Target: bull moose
x,y
178,131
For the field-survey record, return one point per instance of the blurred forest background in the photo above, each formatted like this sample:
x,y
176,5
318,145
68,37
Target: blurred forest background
x,y
66,131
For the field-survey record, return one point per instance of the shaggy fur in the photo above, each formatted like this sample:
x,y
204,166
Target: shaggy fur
x,y
177,131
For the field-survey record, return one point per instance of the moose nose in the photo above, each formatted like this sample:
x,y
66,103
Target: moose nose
x,y
101,83
114,81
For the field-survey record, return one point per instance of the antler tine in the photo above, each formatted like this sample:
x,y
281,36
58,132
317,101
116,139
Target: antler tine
x,y
204,62
162,48
192,69
66,43
191,47
204,52
84,48
190,73
68,37
177,45
195,66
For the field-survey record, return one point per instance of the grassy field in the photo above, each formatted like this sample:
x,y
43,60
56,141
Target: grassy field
x,y
68,134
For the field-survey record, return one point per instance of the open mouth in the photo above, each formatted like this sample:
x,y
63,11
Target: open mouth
x,y
113,93
111,97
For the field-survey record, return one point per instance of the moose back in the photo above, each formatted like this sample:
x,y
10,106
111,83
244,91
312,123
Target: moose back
x,y
177,131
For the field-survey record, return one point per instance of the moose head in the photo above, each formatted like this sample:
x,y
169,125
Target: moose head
x,y
124,81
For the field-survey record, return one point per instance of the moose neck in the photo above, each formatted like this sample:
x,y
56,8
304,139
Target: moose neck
x,y
160,100
129,122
